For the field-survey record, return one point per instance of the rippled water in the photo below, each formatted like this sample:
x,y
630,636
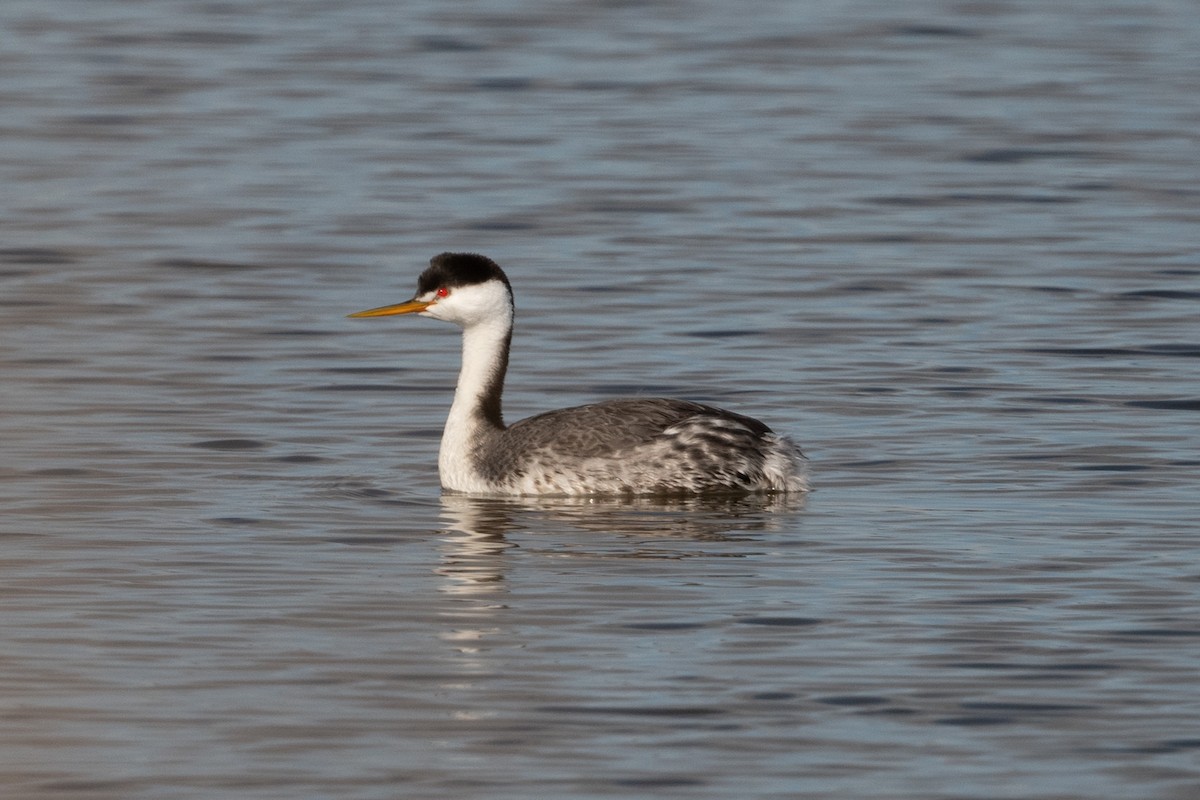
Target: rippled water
x,y
950,247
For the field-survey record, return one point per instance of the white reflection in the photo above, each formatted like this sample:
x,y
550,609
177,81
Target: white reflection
x,y
476,551
473,546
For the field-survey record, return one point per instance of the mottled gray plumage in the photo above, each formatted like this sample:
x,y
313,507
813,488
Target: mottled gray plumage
x,y
630,446
635,446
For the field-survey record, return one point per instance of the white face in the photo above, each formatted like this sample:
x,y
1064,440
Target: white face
x,y
469,305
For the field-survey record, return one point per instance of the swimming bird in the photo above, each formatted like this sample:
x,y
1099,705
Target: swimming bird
x,y
636,446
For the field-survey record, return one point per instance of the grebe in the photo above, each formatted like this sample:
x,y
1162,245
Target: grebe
x,y
626,447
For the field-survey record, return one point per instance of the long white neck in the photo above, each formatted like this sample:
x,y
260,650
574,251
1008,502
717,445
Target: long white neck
x,y
475,414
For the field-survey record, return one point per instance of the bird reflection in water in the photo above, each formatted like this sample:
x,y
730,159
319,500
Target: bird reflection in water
x,y
477,553
473,545
476,549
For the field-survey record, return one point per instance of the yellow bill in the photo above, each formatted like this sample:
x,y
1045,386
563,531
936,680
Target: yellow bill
x,y
411,307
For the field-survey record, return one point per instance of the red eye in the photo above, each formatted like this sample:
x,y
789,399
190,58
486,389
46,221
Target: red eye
x,y
442,292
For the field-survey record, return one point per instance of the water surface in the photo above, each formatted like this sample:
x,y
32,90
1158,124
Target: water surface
x,y
950,248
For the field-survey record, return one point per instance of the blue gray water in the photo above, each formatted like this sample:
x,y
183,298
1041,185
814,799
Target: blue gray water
x,y
951,247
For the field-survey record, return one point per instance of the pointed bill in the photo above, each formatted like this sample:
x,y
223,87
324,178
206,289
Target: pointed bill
x,y
411,307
